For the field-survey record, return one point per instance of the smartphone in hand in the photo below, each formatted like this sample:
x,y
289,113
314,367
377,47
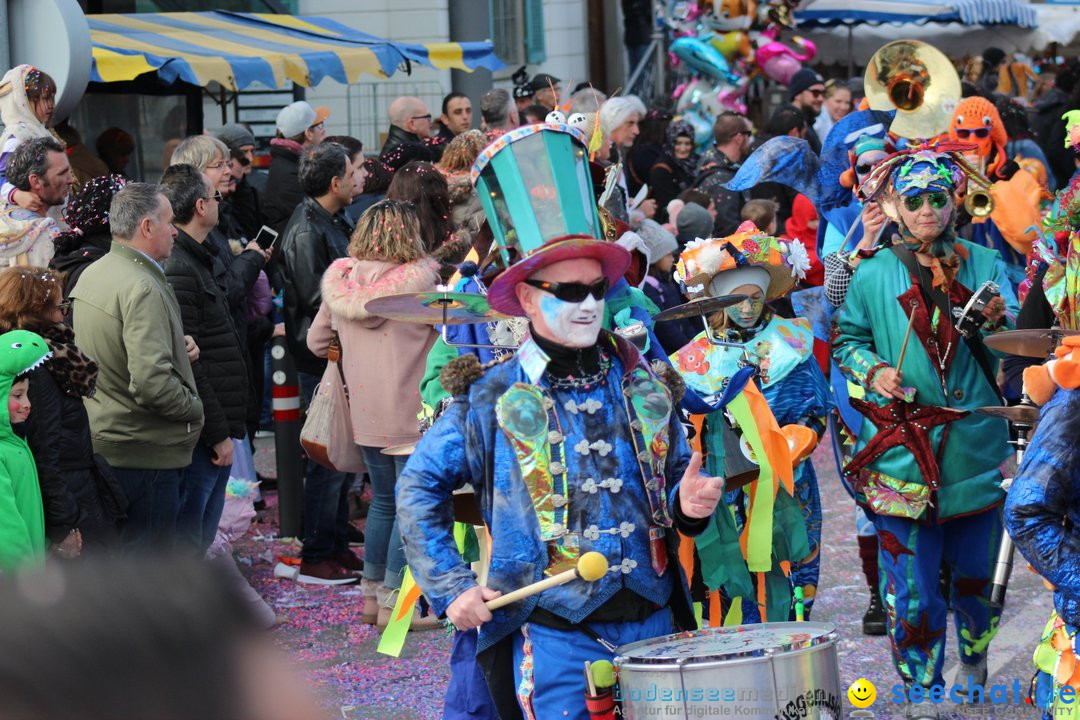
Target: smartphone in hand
x,y
266,237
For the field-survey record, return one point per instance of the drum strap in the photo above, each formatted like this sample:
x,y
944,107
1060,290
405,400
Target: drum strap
x,y
933,295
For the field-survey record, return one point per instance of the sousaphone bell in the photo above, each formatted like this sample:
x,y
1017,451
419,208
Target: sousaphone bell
x,y
919,82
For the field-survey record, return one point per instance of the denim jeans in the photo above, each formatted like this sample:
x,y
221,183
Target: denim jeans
x,y
384,554
326,501
202,498
153,504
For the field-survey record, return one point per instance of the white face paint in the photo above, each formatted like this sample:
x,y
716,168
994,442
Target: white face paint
x,y
574,325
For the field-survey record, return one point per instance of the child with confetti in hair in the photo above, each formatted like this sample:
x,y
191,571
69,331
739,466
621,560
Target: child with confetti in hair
x,y
27,102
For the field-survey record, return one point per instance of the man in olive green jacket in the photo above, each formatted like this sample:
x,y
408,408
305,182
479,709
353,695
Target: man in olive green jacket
x,y
145,417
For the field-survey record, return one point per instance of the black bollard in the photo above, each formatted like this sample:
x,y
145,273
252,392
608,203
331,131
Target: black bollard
x,y
290,462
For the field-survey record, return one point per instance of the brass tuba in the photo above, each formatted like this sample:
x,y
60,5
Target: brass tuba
x,y
917,81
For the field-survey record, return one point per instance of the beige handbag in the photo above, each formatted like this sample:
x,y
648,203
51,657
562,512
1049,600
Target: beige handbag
x,y
327,435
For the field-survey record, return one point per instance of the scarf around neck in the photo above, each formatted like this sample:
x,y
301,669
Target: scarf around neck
x,y
944,253
75,373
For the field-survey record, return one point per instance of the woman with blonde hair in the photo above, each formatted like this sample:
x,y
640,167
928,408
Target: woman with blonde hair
x,y
208,155
383,362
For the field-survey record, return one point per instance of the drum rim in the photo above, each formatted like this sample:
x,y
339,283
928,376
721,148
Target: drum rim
x,y
826,633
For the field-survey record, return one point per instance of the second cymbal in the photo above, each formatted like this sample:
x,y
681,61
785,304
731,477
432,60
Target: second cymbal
x,y
699,307
1036,343
434,308
1017,414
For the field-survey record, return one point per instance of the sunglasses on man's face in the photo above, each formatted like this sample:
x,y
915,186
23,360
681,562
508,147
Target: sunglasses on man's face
x,y
816,93
937,201
981,133
572,292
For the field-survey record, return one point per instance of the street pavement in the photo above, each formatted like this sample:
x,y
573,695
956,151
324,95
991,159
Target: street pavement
x,y
320,629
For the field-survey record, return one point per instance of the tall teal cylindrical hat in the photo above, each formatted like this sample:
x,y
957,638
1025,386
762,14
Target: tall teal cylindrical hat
x,y
537,193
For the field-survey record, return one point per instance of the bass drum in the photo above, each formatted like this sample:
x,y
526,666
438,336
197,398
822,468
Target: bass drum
x,y
772,670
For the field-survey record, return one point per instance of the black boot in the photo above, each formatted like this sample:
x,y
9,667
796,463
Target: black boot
x,y
874,621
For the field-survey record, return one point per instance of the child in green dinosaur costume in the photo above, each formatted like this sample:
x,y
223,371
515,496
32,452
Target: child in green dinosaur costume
x,y
22,519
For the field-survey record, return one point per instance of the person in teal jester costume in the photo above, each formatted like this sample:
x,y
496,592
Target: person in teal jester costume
x,y
925,463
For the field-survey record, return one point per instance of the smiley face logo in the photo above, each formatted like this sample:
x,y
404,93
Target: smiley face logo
x,y
862,693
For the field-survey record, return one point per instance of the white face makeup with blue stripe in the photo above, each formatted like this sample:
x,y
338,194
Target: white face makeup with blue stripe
x,y
574,325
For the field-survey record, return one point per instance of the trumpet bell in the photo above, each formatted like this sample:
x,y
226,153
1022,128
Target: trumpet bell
x,y
979,204
919,82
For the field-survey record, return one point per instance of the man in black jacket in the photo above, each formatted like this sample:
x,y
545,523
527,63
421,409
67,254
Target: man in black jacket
x,y
197,277
731,145
1049,127
317,234
299,127
410,122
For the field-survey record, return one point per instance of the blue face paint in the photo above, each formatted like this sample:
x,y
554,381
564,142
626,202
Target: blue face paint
x,y
574,325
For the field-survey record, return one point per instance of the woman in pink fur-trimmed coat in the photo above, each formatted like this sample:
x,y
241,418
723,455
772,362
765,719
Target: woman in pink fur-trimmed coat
x,y
383,361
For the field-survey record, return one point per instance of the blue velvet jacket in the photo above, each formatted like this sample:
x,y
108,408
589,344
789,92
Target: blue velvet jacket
x,y
1042,508
557,472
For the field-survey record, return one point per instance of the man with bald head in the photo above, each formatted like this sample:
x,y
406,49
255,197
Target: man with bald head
x,y
410,122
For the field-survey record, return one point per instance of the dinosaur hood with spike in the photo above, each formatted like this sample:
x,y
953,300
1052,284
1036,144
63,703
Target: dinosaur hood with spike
x,y
22,517
20,352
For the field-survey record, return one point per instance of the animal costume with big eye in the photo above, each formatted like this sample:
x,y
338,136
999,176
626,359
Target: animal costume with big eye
x,y
794,392
977,121
1016,196
926,465
1042,514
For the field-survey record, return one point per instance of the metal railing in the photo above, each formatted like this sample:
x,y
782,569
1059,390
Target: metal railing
x,y
648,80
367,103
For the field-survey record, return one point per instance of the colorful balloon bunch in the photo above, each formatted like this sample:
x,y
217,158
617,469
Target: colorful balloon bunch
x,y
721,46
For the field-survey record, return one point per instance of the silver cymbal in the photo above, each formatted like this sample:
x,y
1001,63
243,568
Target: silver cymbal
x,y
699,307
434,308
1036,343
1017,414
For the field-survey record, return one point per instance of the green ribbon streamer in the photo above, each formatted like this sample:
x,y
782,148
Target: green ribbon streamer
x,y
393,637
759,541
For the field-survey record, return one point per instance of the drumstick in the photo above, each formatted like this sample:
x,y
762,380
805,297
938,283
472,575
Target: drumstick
x,y
907,336
589,679
591,566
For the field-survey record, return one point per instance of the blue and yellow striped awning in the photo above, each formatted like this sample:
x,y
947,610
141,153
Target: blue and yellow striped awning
x,y
237,49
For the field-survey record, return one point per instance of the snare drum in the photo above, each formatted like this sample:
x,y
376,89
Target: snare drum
x,y
772,670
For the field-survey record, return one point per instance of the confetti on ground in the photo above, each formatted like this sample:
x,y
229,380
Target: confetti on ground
x,y
320,627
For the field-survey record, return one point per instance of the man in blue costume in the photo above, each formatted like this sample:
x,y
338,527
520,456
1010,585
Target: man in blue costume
x,y
573,445
924,463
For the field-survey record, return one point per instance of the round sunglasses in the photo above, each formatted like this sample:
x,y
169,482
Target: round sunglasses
x,y
937,201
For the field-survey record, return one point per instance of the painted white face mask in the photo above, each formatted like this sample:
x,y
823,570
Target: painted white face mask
x,y
574,325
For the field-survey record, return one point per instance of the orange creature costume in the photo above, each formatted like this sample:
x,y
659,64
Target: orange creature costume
x,y
1017,197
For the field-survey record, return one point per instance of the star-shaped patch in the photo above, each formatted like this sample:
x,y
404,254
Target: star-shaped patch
x,y
919,636
892,545
971,587
906,424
